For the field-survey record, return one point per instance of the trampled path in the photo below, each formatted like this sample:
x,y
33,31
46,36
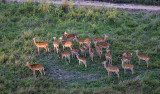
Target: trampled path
x,y
149,8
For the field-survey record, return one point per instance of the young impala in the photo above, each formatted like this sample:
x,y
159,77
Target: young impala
x,y
83,60
99,51
83,50
111,68
91,52
125,54
100,39
108,57
74,52
127,66
41,44
35,67
83,41
143,57
55,44
65,54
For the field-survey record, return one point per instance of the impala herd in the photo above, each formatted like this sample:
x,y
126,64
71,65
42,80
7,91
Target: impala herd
x,y
84,44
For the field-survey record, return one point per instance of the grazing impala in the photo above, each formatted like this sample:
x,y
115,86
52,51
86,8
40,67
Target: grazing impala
x,y
91,52
55,44
83,50
111,68
70,36
126,59
83,41
143,57
125,54
108,57
65,54
127,66
83,60
41,44
103,45
74,52
34,67
63,38
100,39
99,50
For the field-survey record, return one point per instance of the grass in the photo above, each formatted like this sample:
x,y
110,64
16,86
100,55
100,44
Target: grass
x,y
129,31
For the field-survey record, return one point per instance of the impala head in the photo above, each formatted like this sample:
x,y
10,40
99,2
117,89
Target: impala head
x,y
65,33
54,38
106,35
34,38
108,51
59,56
27,63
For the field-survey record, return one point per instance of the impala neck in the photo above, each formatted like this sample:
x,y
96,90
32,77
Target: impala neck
x,y
29,66
35,41
105,65
105,38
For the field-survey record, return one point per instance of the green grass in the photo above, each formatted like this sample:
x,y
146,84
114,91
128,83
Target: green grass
x,y
128,31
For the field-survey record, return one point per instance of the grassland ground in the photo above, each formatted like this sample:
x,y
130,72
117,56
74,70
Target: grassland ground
x,y
129,31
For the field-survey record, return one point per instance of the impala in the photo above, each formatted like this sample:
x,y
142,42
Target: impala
x,y
100,39
35,67
125,54
55,44
91,52
83,50
65,54
67,44
108,57
83,41
127,66
99,50
111,68
103,45
74,52
83,60
41,44
143,57
70,36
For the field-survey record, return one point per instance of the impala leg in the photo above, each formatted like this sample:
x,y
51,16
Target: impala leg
x,y
68,58
46,49
111,60
108,74
117,74
79,62
124,70
139,61
38,50
147,63
44,71
132,71
40,72
33,72
57,49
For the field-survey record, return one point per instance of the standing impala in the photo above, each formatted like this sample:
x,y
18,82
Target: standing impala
x,y
100,39
108,57
65,54
74,52
127,66
125,54
55,44
35,67
143,57
83,60
41,44
83,41
99,51
111,68
67,44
